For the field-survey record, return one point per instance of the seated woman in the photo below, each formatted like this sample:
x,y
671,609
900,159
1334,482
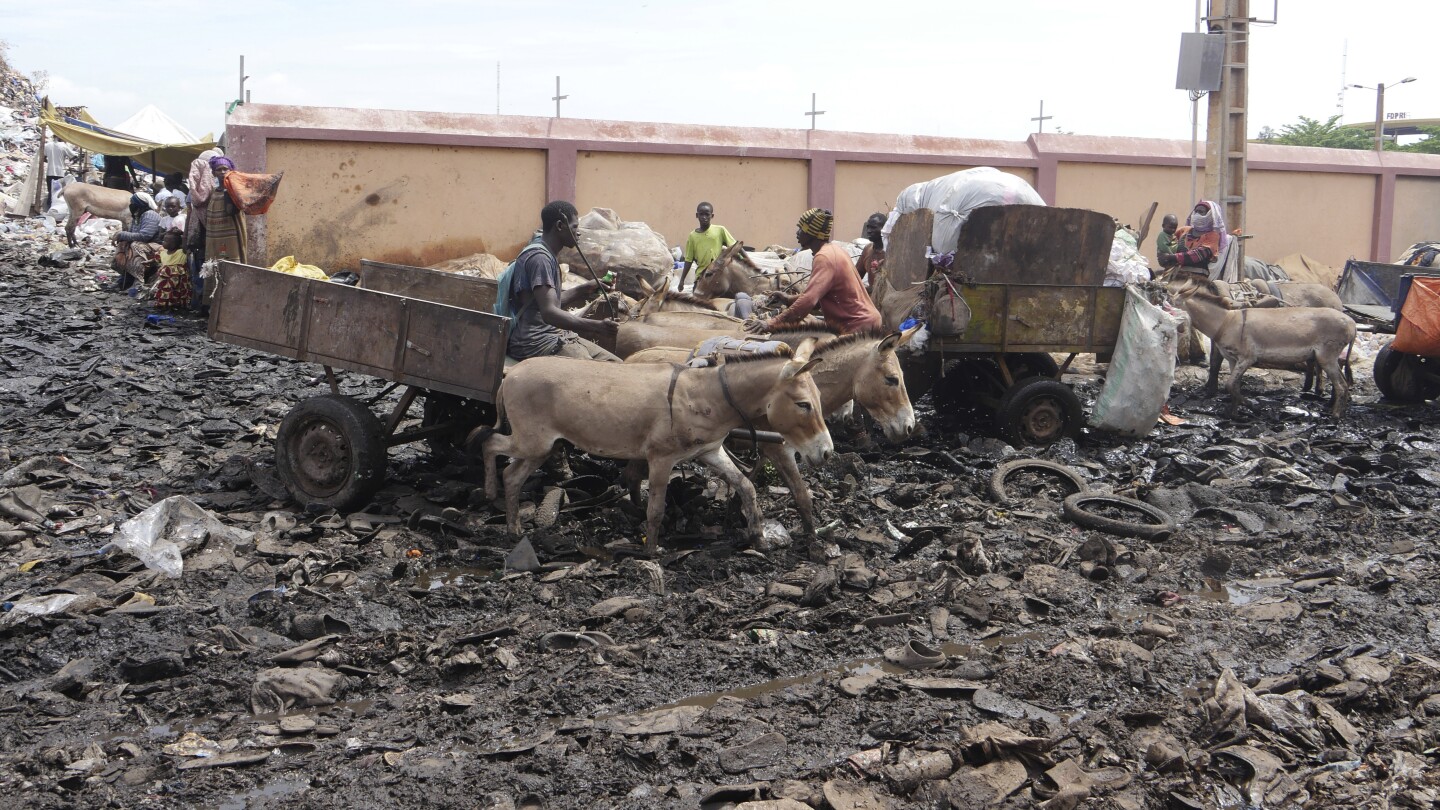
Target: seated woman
x,y
1201,240
136,251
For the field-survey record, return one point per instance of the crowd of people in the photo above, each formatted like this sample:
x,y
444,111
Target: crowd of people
x,y
193,218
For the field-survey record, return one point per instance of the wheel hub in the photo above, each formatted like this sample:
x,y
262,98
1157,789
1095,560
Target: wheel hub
x,y
1043,421
323,458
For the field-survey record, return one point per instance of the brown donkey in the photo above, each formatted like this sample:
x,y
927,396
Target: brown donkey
x,y
663,415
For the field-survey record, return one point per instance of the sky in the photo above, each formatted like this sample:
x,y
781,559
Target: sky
x,y
956,68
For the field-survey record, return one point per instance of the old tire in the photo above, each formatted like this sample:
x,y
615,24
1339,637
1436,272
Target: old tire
x,y
1149,522
1039,412
331,450
465,414
1066,475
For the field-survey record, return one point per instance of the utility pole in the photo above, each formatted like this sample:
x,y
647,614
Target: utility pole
x,y
813,112
557,97
1226,141
243,77
1041,118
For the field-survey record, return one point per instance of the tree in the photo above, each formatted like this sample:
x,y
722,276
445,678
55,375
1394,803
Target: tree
x,y
1310,132
1429,146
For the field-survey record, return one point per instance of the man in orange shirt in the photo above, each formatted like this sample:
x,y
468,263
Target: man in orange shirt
x,y
834,286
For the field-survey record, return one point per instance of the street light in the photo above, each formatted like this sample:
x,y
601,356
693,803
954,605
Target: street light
x,y
1380,110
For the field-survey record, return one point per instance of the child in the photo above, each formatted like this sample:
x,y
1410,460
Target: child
x,y
704,243
172,282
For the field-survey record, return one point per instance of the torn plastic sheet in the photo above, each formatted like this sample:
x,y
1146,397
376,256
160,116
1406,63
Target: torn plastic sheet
x,y
162,534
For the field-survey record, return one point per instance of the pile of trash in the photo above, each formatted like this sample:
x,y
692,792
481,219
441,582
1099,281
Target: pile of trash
x,y
19,134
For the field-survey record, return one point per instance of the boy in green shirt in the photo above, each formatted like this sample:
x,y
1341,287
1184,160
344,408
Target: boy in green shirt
x,y
704,243
1166,244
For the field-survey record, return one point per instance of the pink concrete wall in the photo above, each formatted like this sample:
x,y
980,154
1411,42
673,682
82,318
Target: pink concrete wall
x,y
657,172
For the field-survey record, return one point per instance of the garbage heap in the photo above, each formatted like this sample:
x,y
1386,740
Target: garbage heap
x,y
42,236
19,133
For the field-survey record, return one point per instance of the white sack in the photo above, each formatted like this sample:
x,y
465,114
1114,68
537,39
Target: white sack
x,y
954,196
1137,384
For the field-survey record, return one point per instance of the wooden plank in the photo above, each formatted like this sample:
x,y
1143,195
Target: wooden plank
x,y
410,341
1034,244
905,262
1028,317
466,292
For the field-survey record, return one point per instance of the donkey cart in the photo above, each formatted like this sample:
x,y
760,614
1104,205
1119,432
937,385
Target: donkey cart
x,y
1026,282
429,332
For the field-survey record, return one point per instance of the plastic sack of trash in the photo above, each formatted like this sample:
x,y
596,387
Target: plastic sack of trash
x,y
294,268
1141,371
954,196
630,250
162,534
1127,265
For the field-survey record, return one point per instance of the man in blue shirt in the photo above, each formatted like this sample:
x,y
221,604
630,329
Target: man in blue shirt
x,y
541,325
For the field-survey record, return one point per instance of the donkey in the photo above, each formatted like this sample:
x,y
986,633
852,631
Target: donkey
x,y
663,415
636,335
1286,338
82,198
735,272
858,368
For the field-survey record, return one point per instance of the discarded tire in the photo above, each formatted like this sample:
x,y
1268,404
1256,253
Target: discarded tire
x,y
1149,523
1001,494
1039,411
329,450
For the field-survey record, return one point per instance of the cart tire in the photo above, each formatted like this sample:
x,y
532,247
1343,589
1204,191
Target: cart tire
x,y
1153,524
468,414
1401,378
1039,412
330,450
1001,494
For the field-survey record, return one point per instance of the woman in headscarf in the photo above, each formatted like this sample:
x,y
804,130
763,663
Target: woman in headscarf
x,y
137,250
1203,237
201,182
224,227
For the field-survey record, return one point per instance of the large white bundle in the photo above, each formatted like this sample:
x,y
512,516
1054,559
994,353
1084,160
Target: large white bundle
x,y
631,250
954,196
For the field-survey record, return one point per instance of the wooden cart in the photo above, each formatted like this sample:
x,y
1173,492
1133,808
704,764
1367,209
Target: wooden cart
x,y
431,333
1026,283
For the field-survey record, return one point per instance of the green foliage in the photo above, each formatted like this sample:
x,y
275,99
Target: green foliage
x,y
1311,132
1429,146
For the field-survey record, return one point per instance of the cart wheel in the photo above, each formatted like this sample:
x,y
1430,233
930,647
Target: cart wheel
x,y
464,414
1039,411
972,382
1032,364
330,450
920,374
1401,377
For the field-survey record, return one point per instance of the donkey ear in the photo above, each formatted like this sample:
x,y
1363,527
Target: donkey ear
x,y
809,364
802,352
892,341
645,286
